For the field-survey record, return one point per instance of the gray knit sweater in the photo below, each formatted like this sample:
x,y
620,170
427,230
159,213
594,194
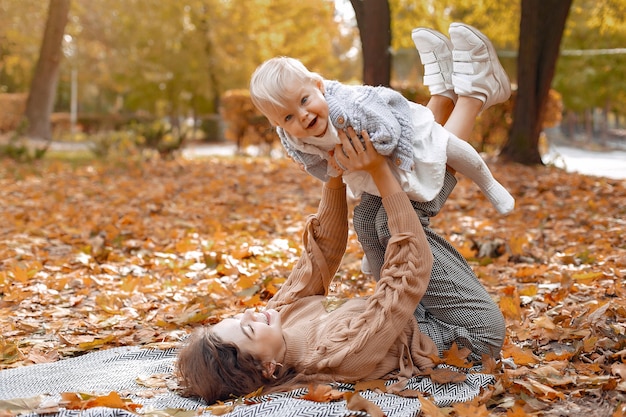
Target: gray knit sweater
x,y
382,112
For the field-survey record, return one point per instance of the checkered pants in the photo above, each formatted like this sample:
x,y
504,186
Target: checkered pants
x,y
456,307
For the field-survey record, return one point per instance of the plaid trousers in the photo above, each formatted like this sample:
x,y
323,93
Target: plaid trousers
x,y
456,307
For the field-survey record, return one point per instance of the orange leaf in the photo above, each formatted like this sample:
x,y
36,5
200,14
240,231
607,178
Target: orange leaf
x,y
318,393
74,401
489,364
357,403
457,357
429,409
113,400
21,275
376,384
519,355
510,304
221,409
470,409
445,375
516,411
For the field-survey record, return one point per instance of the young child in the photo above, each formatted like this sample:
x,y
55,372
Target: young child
x,y
307,111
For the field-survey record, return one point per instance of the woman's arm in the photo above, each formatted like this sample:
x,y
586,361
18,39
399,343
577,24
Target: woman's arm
x,y
404,276
324,239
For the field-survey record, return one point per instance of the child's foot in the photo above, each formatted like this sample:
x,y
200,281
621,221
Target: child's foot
x,y
501,199
435,51
477,72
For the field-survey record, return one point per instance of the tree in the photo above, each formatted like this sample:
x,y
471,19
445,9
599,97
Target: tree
x,y
541,28
43,87
374,21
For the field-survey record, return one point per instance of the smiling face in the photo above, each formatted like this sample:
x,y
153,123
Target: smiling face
x,y
259,334
304,114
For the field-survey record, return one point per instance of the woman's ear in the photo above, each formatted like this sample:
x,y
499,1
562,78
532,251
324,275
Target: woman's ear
x,y
268,369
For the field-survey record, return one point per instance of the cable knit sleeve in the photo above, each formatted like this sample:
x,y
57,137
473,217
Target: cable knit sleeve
x,y
348,349
324,240
313,164
383,112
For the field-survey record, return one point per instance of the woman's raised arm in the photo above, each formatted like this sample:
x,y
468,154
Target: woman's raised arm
x,y
324,243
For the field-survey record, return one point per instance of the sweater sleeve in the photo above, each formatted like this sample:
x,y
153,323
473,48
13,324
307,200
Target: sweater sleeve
x,y
313,164
384,113
324,239
404,279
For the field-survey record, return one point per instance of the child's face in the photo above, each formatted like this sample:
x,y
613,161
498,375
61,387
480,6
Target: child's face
x,y
305,114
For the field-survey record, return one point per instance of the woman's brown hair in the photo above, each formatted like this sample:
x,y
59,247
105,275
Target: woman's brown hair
x,y
214,370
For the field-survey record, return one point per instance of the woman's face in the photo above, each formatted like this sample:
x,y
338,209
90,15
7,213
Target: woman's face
x,y
259,334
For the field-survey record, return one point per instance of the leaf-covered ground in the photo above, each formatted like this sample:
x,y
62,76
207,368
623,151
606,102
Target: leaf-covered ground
x,y
94,256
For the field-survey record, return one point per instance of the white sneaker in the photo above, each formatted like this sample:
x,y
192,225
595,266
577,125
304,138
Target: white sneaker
x,y
435,51
365,266
476,69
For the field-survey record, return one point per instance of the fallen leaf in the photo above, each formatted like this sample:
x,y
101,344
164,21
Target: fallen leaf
x,y
429,409
376,384
445,375
357,403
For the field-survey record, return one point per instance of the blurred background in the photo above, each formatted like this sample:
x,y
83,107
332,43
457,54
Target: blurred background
x,y
172,71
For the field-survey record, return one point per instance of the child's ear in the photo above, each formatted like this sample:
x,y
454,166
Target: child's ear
x,y
320,85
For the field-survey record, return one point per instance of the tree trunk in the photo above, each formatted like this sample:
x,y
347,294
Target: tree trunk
x,y
44,84
541,29
373,18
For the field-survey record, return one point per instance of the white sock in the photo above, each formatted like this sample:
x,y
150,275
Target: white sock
x,y
464,159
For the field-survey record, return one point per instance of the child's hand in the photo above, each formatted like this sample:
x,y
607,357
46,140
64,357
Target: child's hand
x,y
357,156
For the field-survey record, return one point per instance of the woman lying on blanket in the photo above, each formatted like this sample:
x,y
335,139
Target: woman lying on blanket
x,y
421,305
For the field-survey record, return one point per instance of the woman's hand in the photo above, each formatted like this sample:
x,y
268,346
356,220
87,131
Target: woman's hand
x,y
357,156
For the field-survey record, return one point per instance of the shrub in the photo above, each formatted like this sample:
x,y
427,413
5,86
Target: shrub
x,y
13,106
245,125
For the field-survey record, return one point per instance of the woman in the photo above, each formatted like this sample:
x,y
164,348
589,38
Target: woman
x,y
297,338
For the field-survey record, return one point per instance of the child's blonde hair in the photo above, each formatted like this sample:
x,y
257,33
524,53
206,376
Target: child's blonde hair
x,y
273,82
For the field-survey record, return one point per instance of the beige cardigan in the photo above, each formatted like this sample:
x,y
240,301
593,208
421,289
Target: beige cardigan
x,y
365,337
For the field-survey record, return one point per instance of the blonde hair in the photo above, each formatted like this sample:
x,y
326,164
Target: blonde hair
x,y
273,82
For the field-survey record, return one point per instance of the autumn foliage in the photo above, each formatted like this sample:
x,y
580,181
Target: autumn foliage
x,y
95,256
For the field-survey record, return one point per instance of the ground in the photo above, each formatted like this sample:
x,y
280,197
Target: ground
x,y
97,254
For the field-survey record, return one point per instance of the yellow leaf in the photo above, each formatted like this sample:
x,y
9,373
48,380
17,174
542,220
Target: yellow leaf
x,y
20,275
587,277
245,282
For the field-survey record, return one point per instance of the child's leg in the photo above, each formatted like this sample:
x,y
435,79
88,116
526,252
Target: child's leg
x,y
480,81
476,70
463,158
435,51
441,107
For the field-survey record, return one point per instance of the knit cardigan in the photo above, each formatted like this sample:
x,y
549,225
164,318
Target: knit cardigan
x,y
382,112
365,337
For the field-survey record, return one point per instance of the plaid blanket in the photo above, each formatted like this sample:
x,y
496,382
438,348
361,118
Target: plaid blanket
x,y
141,375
